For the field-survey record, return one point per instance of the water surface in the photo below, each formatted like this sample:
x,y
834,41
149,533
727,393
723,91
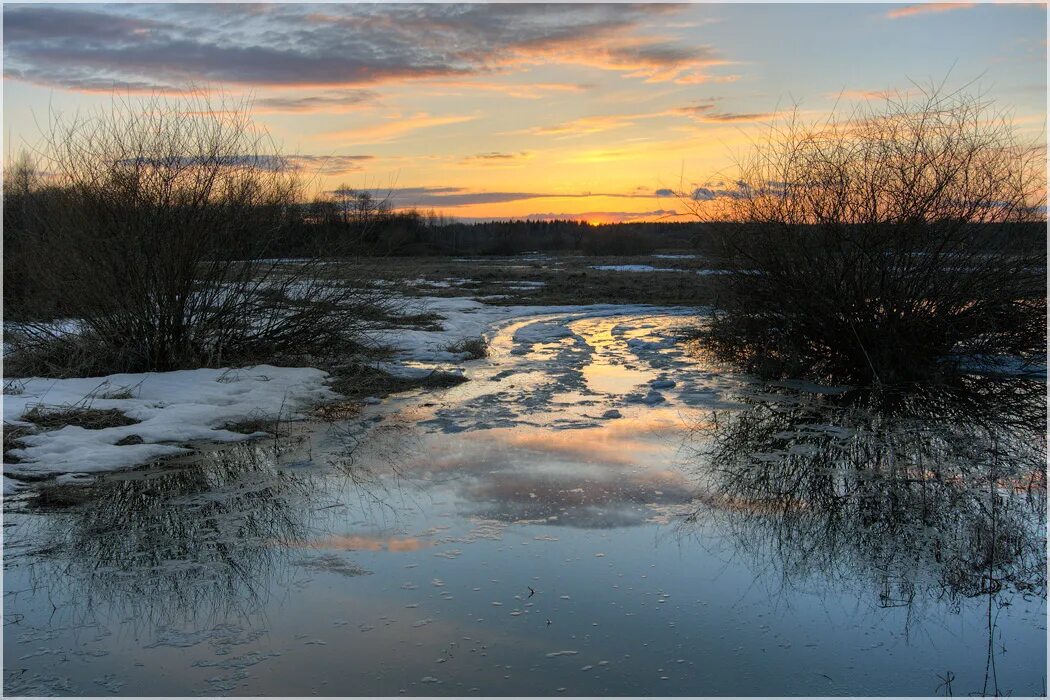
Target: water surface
x,y
595,512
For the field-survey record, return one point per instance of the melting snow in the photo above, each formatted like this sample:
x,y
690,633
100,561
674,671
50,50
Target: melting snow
x,y
633,268
171,408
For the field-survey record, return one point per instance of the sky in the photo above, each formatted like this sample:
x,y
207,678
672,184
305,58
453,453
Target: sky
x,y
593,112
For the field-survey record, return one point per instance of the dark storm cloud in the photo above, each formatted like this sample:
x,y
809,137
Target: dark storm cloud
x,y
322,45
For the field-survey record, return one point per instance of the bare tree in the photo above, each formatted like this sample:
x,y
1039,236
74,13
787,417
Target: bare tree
x,y
153,236
21,180
894,243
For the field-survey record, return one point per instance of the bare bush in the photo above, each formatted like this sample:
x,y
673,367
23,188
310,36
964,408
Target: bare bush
x,y
940,492
888,245
151,233
22,183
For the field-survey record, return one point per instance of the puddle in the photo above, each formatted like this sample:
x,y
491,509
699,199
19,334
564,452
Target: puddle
x,y
614,379
538,531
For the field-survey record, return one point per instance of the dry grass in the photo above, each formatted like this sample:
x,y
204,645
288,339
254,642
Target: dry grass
x,y
13,435
55,497
476,348
252,426
121,394
53,418
566,279
358,382
129,440
14,387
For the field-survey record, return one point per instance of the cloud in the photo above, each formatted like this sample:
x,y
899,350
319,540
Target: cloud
x,y
926,8
496,158
654,61
329,165
586,125
321,165
329,102
605,217
664,192
335,46
727,117
254,161
450,196
24,24
526,91
396,126
402,197
707,112
703,112
738,190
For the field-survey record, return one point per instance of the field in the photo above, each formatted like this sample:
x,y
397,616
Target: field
x,y
511,350
532,484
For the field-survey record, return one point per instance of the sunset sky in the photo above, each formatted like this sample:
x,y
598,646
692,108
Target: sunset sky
x,y
483,111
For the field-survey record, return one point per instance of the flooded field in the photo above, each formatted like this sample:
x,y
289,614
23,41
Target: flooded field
x,y
594,512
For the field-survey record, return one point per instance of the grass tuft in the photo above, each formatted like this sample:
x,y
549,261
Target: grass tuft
x,y
52,418
13,435
476,348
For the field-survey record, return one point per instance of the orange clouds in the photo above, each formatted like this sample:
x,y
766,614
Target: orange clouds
x,y
526,91
395,126
586,125
703,112
926,8
335,101
496,158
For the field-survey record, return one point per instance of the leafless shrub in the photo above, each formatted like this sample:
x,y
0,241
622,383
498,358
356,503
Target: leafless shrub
x,y
939,492
151,233
885,245
476,348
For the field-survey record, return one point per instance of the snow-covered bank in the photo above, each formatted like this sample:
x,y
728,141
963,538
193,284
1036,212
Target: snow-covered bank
x,y
12,486
464,317
633,268
651,268
170,407
175,408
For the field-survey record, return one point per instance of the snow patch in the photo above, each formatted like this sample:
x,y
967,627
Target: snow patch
x,y
170,407
12,486
633,268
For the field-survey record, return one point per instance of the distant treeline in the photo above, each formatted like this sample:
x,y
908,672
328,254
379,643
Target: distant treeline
x,y
380,232
413,233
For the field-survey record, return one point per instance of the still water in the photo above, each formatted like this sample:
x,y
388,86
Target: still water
x,y
596,512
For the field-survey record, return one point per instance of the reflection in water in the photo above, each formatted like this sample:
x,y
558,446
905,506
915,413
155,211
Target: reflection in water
x,y
209,539
938,495
249,563
161,545
596,477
